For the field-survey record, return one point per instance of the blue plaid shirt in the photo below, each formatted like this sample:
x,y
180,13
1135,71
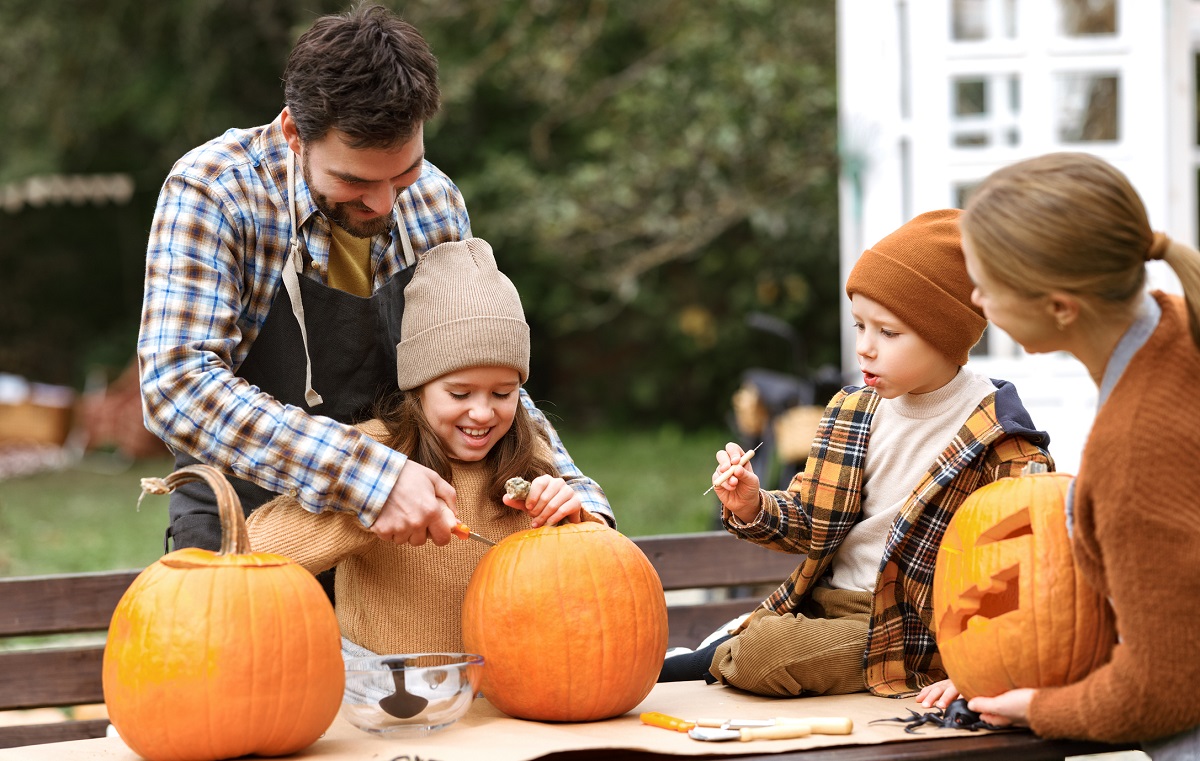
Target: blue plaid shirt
x,y
217,247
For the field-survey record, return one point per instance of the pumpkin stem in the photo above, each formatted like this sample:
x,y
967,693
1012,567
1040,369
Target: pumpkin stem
x,y
234,539
1033,467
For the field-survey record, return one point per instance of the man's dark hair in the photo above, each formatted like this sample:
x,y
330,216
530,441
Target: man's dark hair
x,y
366,73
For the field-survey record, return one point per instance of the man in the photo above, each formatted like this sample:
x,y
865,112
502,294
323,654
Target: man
x,y
275,274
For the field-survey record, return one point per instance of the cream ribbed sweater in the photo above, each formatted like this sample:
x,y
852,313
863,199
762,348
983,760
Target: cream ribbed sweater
x,y
391,598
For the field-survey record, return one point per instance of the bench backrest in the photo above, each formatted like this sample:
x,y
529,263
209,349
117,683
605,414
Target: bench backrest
x,y
731,573
55,676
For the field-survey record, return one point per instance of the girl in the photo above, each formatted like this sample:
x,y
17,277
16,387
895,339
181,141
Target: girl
x,y
463,355
1057,247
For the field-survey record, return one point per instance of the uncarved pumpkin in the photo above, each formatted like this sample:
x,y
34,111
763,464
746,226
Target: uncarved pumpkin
x,y
1010,608
219,655
571,622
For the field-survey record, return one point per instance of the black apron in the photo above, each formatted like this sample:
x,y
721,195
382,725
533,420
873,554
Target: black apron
x,y
346,349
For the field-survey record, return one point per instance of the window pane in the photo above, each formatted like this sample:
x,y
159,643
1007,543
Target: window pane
x,y
962,193
1088,107
970,19
1087,17
970,97
1196,97
971,139
982,19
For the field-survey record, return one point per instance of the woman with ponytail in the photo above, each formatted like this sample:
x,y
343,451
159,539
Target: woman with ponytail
x,y
1057,248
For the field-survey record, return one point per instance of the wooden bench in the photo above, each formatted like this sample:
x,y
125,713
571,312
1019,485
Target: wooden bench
x,y
730,575
55,676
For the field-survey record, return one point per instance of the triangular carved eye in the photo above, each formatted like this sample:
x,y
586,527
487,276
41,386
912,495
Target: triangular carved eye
x,y
1000,596
1009,527
1000,593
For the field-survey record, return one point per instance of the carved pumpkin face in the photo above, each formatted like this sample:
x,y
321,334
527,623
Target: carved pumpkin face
x,y
1009,608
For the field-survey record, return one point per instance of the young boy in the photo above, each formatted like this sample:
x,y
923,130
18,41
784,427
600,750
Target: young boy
x,y
890,464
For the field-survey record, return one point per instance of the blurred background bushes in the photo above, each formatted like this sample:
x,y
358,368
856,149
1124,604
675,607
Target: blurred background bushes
x,y
648,171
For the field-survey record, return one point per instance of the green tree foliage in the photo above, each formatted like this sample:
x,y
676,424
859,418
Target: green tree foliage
x,y
648,172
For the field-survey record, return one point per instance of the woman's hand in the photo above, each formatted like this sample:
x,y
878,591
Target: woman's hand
x,y
940,694
1006,709
739,493
550,500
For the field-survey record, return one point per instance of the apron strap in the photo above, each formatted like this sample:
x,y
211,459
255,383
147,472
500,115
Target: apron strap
x,y
409,257
291,282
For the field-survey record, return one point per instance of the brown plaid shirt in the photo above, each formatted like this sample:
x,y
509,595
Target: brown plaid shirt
x,y
823,503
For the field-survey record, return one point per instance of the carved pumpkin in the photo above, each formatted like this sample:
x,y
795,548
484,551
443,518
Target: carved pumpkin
x,y
219,655
1009,607
571,622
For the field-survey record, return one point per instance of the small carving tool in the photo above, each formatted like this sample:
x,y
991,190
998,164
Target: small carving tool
x,y
777,732
656,719
463,531
819,725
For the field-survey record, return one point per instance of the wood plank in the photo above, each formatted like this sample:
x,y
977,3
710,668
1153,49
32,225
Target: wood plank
x,y
62,603
688,625
713,559
37,734
51,677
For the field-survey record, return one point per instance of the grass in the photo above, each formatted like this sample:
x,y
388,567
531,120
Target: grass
x,y
86,518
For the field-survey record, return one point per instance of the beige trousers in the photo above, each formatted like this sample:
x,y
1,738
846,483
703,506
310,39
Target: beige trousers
x,y
818,651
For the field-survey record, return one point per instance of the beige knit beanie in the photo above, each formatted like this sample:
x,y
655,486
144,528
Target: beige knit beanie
x,y
460,311
919,274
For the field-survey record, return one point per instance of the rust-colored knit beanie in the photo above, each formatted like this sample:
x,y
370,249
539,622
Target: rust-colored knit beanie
x,y
919,274
460,311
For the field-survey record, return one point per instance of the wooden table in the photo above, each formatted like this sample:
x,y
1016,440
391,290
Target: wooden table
x,y
486,733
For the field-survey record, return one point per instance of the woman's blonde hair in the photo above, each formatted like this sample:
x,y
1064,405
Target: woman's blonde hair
x,y
1072,222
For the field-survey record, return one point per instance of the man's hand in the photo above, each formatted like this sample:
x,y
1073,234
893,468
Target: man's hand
x,y
420,507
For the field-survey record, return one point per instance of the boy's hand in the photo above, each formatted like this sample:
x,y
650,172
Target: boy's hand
x,y
739,494
550,500
941,694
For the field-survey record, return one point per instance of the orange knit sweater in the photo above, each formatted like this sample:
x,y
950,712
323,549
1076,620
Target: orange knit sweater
x,y
1137,539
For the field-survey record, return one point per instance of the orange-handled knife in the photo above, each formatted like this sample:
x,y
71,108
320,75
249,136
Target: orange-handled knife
x,y
463,531
656,719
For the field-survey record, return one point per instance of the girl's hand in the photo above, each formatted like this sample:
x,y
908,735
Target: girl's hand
x,y
941,694
550,500
739,493
1006,709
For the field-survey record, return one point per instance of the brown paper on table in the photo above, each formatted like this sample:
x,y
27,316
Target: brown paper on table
x,y
485,732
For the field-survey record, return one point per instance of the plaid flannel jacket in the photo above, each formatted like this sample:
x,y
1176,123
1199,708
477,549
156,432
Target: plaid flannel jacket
x,y
823,503
217,247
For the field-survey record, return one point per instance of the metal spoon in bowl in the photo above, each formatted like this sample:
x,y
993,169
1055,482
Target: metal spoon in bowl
x,y
402,704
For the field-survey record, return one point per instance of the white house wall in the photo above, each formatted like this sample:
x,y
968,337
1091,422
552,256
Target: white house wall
x,y
896,63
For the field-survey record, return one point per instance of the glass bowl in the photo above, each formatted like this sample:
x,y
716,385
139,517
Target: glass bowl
x,y
412,694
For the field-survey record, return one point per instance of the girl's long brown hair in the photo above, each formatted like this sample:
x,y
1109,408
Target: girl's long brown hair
x,y
524,451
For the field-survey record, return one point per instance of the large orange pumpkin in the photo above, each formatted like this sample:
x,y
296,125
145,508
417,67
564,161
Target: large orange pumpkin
x,y
571,622
219,655
1009,607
